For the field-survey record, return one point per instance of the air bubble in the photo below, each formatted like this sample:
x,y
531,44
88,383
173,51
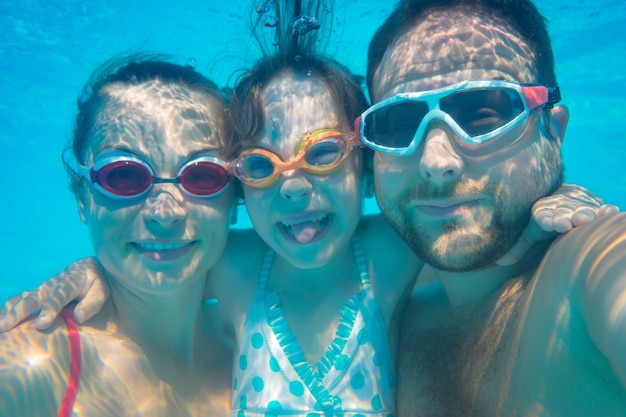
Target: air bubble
x,y
267,8
302,25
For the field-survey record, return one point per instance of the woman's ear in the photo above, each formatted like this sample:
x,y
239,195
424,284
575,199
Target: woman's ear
x,y
559,116
81,210
84,199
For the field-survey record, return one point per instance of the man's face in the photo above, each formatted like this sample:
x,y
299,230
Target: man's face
x,y
460,209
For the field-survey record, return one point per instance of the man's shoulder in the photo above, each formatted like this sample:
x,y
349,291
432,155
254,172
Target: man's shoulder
x,y
595,235
585,247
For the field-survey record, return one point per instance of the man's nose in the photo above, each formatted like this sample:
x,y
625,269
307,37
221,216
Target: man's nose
x,y
440,161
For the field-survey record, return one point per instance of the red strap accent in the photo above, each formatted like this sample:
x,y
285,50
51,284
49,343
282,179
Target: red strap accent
x,y
75,355
536,95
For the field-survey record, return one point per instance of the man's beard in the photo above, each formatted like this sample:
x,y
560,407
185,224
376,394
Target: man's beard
x,y
475,240
454,248
462,244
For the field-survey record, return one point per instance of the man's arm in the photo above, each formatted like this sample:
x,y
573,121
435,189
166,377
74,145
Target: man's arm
x,y
603,274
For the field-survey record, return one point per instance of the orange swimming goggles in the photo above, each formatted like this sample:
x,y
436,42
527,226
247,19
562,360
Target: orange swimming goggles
x,y
321,152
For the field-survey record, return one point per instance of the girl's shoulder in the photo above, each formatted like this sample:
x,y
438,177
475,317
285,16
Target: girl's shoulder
x,y
245,249
379,239
392,265
233,279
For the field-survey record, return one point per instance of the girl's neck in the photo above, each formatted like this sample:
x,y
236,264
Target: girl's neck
x,y
342,265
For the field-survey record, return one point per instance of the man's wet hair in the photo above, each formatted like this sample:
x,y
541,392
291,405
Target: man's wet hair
x,y
522,15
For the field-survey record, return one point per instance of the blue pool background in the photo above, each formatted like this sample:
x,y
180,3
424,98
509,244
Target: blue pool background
x,y
48,48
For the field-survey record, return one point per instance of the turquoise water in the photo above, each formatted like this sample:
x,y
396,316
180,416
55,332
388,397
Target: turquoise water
x,y
48,49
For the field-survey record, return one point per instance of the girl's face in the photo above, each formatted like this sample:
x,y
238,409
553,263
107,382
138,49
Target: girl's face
x,y
306,218
167,237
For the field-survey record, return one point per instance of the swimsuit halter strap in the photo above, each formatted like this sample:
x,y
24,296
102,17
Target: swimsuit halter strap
x,y
75,365
265,270
358,254
360,261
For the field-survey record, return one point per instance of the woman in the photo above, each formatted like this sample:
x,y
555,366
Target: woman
x,y
151,186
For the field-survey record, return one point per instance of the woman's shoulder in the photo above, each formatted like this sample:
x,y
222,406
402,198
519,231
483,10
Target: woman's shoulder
x,y
36,365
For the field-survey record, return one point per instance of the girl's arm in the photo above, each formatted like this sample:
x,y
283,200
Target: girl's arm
x,y
570,206
82,281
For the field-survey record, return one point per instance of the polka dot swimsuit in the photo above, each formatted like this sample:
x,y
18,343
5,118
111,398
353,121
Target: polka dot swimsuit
x,y
354,378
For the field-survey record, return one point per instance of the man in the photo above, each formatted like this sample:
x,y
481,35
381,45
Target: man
x,y
547,335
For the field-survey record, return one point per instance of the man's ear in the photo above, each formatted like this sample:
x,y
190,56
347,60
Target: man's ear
x,y
559,116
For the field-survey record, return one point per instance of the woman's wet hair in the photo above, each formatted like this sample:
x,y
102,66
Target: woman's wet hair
x,y
136,70
297,45
522,15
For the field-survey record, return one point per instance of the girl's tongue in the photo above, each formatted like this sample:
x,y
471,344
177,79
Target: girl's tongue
x,y
305,231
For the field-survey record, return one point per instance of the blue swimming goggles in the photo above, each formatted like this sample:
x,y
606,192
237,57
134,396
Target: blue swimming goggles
x,y
476,111
124,176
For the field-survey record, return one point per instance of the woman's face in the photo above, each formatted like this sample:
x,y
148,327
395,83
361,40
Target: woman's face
x,y
306,218
167,237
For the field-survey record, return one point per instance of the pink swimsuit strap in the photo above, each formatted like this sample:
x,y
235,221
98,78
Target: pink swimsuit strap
x,y
75,355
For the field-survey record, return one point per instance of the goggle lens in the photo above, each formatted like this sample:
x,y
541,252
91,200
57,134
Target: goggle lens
x,y
394,126
204,178
482,111
326,154
123,178
256,167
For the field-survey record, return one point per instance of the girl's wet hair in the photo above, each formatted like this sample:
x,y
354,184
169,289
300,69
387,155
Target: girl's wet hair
x,y
522,15
135,70
296,43
247,104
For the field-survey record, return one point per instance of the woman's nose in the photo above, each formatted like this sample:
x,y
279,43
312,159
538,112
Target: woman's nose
x,y
165,208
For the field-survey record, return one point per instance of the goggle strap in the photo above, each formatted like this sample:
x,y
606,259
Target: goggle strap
x,y
554,96
540,96
357,130
72,163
